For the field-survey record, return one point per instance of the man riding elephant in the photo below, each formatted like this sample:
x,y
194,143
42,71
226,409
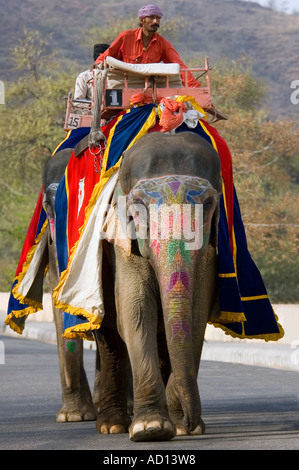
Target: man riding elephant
x,y
144,45
83,84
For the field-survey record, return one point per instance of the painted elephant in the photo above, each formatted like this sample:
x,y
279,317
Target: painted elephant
x,y
165,286
159,291
77,403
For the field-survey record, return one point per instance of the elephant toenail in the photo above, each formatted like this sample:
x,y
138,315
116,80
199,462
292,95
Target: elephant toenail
x,y
153,425
180,431
138,427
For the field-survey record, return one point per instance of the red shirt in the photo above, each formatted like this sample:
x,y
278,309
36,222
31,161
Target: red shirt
x,y
128,47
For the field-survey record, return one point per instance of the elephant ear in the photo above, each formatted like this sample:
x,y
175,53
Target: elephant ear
x,y
214,312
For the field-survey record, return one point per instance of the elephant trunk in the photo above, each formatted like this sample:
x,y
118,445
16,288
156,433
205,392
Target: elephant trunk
x,y
176,286
178,328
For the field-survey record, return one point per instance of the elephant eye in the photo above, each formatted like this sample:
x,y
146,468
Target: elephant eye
x,y
208,202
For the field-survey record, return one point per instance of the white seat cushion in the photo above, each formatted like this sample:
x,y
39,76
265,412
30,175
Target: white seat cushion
x,y
137,72
143,69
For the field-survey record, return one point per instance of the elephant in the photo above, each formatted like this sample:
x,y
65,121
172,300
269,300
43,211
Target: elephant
x,y
165,288
159,291
77,403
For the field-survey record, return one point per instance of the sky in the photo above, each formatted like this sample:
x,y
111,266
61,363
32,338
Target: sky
x,y
281,5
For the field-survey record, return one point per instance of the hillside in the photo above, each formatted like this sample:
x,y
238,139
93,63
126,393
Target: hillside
x,y
216,28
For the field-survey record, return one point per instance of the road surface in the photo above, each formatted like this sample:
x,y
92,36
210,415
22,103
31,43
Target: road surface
x,y
244,408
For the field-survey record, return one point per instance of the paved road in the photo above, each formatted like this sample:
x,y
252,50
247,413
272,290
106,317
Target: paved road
x,y
244,407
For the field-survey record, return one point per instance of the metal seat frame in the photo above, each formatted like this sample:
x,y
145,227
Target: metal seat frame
x,y
116,100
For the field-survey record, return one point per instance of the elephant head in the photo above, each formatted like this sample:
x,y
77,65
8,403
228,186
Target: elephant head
x,y
172,209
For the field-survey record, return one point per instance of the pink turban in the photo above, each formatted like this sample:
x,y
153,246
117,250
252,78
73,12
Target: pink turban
x,y
150,10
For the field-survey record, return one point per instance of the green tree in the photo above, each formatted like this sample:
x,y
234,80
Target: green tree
x,y
266,175
31,125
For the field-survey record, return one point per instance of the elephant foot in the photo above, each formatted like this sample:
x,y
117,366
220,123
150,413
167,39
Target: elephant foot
x,y
74,414
116,424
199,430
156,429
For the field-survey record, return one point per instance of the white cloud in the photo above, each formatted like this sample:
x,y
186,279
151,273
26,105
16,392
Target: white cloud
x,y
281,5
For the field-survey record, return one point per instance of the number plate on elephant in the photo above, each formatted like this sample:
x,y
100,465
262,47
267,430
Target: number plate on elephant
x,y
114,98
74,121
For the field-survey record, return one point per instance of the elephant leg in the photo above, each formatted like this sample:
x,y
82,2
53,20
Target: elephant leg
x,y
136,302
77,402
97,378
110,394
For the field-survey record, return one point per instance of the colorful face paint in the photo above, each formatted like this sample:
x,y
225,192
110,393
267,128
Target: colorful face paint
x,y
175,211
174,206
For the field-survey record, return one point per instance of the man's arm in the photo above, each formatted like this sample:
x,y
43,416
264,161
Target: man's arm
x,y
114,50
82,90
170,55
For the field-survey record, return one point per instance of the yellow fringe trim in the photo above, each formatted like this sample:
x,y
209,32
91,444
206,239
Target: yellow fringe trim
x,y
79,331
231,317
33,306
9,320
13,326
84,330
265,337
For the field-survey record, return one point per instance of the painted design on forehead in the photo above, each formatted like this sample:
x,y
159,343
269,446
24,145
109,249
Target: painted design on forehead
x,y
192,195
174,191
157,198
171,189
174,186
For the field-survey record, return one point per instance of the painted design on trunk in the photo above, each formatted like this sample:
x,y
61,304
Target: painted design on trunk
x,y
177,251
178,280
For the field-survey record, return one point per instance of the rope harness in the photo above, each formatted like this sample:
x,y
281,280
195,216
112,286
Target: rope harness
x,y
96,139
